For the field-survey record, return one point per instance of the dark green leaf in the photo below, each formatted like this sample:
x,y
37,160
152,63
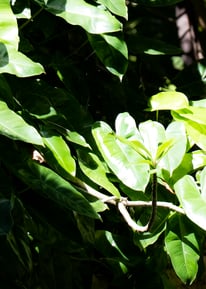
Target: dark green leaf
x,y
94,169
183,248
13,126
52,186
112,51
157,2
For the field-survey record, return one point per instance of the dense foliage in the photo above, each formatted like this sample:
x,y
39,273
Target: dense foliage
x,y
103,148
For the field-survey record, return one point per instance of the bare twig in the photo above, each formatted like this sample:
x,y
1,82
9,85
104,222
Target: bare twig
x,y
129,220
159,204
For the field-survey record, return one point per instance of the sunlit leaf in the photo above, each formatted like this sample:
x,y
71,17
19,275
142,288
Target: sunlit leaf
x,y
195,130
8,24
203,183
126,164
14,126
19,64
176,149
182,247
12,61
169,100
153,134
126,127
92,18
191,200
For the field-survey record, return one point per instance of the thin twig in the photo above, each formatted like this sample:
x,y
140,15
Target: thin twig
x,y
159,204
129,220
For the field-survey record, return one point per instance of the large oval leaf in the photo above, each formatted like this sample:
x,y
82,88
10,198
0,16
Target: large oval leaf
x,y
14,126
182,246
123,160
191,200
92,18
19,64
168,100
153,134
175,154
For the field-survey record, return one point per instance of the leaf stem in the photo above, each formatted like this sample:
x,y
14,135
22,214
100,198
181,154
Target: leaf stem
x,y
29,20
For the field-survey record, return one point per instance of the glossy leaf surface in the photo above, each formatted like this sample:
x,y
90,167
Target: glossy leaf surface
x,y
126,164
112,51
170,100
191,200
13,126
176,152
92,18
11,60
183,248
118,7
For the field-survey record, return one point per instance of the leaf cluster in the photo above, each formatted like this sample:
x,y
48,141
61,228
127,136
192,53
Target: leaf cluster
x,y
96,191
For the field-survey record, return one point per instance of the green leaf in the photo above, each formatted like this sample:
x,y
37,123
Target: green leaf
x,y
57,152
8,24
12,61
128,133
52,186
157,2
19,64
191,200
126,164
169,100
176,149
193,113
13,126
195,130
153,134
112,51
183,248
118,7
148,238
203,183
94,169
75,137
92,18
198,159
125,126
